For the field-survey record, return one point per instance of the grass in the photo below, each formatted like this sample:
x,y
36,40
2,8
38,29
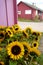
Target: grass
x,y
24,20
28,20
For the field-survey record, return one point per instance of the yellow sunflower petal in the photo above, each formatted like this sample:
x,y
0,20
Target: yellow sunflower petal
x,y
36,51
2,63
27,48
9,32
16,28
25,34
28,30
35,44
39,33
34,33
15,50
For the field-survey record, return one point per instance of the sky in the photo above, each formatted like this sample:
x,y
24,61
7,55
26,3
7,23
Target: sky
x,y
38,3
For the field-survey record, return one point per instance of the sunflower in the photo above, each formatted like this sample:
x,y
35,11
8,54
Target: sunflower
x,y
15,50
9,32
1,63
36,38
25,34
35,44
2,35
28,30
16,28
27,48
35,52
34,33
38,33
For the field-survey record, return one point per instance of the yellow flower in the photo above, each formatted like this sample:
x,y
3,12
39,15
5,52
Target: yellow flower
x,y
27,48
0,48
2,35
34,33
15,50
35,44
16,28
1,63
28,30
9,32
25,34
38,33
35,51
36,38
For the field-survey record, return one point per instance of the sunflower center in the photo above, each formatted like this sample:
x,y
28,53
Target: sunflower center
x,y
16,28
36,38
24,34
9,32
0,64
34,33
1,35
38,34
34,44
16,50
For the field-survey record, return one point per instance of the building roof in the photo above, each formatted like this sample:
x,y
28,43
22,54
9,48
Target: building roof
x,y
31,5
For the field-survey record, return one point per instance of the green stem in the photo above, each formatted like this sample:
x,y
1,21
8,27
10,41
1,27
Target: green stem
x,y
31,61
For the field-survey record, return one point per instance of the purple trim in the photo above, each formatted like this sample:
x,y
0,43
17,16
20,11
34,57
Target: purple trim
x,y
6,12
15,11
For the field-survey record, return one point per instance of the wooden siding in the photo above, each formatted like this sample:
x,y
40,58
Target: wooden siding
x,y
22,7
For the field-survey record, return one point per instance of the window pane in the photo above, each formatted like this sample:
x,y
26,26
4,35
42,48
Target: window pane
x,y
27,11
19,12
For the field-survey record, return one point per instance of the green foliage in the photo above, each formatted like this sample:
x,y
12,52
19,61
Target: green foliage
x,y
36,19
24,20
20,37
12,62
40,59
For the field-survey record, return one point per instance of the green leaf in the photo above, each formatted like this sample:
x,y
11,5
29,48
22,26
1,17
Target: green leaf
x,y
40,59
12,62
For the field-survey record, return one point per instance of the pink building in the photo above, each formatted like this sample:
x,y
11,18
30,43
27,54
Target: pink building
x,y
28,11
8,12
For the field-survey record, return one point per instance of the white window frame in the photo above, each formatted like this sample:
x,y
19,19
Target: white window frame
x,y
36,12
28,11
19,12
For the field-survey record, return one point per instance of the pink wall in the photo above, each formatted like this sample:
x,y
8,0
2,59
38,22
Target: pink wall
x,y
33,13
15,11
8,12
3,13
22,7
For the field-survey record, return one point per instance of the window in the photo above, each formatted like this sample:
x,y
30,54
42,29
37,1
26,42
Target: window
x,y
27,11
19,12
